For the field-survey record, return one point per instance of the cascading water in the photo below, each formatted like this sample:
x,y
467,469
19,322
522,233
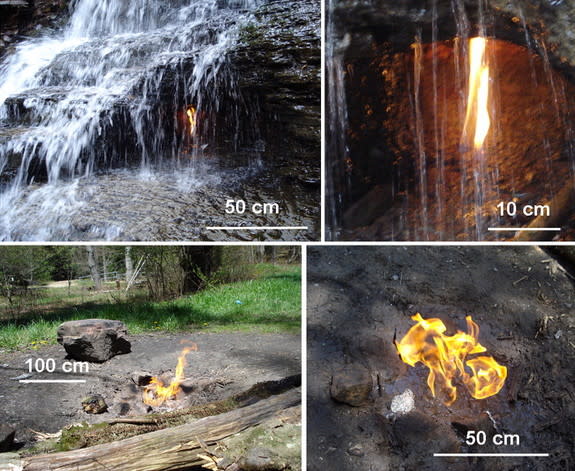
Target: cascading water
x,y
111,90
442,120
337,122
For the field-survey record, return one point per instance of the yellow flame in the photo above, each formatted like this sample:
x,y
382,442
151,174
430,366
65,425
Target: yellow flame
x,y
445,356
191,112
478,94
156,393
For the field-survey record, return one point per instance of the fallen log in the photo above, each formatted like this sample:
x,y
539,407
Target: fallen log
x,y
167,449
126,427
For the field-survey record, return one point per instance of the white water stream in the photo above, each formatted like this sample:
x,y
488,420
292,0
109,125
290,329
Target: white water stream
x,y
70,102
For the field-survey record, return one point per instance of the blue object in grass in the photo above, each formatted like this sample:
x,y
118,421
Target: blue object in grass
x,y
238,301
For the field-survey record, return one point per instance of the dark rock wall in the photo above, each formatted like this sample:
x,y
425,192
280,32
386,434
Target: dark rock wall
x,y
367,32
17,22
278,60
552,18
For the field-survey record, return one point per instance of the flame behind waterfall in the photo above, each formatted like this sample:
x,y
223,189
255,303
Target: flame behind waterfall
x,y
191,112
477,114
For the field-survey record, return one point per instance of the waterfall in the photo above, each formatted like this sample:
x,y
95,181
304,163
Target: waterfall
x,y
110,90
337,123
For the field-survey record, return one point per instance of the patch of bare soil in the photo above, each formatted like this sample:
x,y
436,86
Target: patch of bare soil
x,y
360,297
224,364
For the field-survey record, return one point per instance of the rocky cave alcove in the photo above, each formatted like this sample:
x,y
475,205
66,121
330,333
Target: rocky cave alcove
x,y
401,161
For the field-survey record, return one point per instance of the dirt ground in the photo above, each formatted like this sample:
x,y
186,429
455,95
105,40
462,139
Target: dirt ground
x,y
225,364
522,300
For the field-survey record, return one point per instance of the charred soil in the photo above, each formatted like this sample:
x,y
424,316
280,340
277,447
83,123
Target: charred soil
x,y
360,298
225,365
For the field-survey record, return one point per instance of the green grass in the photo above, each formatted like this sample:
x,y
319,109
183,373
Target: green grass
x,y
269,303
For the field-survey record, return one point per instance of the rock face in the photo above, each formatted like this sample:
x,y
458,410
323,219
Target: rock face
x,y
278,59
352,385
24,18
377,173
553,20
94,340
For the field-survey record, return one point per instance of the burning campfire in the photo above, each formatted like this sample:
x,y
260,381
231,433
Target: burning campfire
x,y
156,392
445,356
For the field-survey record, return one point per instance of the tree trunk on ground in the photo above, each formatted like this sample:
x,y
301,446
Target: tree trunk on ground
x,y
172,448
93,266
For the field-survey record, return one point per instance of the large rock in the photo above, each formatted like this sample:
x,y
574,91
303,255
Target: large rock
x,y
95,340
352,385
24,18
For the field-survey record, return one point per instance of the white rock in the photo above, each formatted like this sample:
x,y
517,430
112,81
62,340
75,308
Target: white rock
x,y
403,403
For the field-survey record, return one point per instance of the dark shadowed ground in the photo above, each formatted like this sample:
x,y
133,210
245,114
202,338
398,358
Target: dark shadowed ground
x,y
522,300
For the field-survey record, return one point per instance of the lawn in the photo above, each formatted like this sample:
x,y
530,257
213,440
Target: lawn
x,y
271,302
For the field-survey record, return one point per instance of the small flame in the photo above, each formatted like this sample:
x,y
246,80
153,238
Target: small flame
x,y
478,94
191,112
445,357
156,393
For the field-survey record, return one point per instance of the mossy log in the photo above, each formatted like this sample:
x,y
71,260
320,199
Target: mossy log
x,y
169,449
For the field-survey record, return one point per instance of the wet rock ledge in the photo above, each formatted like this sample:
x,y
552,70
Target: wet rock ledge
x,y
25,18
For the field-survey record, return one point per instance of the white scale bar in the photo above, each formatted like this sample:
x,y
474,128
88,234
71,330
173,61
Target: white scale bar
x,y
55,381
492,454
256,228
526,229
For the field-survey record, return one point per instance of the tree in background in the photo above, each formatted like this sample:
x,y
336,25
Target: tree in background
x,y
64,262
166,271
19,268
93,267
198,265
24,264
129,264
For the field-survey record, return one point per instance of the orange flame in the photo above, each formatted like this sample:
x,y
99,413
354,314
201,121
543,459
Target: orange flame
x,y
191,112
156,393
478,93
425,342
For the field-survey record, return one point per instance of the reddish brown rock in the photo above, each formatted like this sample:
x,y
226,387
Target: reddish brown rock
x,y
94,340
352,385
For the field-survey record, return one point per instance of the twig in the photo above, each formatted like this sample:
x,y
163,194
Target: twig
x,y
134,421
523,278
505,337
